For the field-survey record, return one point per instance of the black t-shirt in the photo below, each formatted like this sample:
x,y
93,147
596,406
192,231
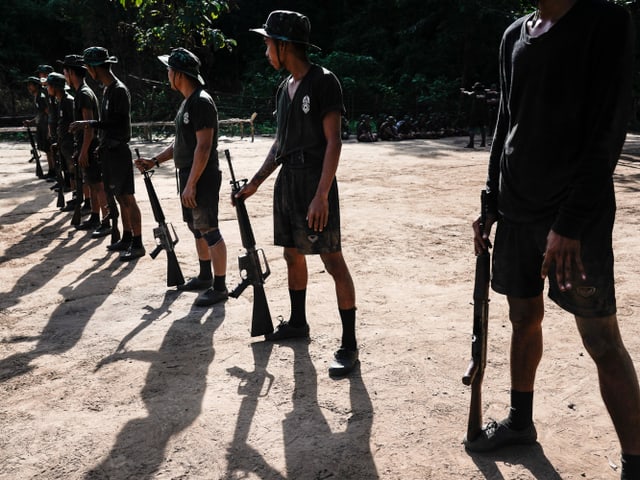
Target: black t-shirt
x,y
198,112
564,107
300,119
85,99
115,114
65,117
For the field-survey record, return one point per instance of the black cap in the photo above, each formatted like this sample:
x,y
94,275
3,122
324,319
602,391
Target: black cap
x,y
287,26
95,56
182,60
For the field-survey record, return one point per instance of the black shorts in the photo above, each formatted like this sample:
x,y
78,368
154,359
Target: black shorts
x,y
92,174
205,216
293,191
117,169
517,259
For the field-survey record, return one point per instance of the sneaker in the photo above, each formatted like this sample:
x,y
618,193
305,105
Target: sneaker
x,y
102,231
211,297
88,225
132,253
344,361
195,284
119,246
496,435
284,331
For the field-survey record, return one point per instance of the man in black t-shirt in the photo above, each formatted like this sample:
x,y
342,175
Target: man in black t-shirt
x,y
306,209
114,133
86,107
195,155
565,86
41,120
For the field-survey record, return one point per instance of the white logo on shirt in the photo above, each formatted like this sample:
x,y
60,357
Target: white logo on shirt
x,y
306,104
185,118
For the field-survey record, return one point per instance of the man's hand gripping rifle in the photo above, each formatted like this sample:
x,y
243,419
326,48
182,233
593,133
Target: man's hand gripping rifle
x,y
164,233
251,264
475,371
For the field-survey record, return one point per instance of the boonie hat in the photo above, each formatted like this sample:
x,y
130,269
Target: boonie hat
x,y
182,60
34,80
56,80
287,26
44,69
72,60
95,56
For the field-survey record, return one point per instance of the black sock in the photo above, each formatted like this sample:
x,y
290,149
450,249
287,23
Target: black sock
x,y
630,467
348,318
298,307
521,412
136,241
205,270
95,217
87,202
220,283
127,235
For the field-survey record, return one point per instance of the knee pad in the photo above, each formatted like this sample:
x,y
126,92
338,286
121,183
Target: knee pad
x,y
196,233
212,237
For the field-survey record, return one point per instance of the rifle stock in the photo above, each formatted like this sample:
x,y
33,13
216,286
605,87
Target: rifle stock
x,y
59,178
251,264
35,155
164,233
474,374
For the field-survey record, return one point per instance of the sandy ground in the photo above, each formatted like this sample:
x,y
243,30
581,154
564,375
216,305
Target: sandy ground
x,y
107,374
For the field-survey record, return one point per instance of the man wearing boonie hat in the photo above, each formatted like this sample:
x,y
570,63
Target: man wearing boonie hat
x,y
86,107
43,72
114,133
306,210
195,154
40,121
62,139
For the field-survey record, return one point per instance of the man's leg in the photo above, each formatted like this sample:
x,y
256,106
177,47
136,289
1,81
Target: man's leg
x,y
297,276
217,250
346,358
131,223
617,377
204,279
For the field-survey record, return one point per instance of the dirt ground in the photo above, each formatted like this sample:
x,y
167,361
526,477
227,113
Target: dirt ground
x,y
105,373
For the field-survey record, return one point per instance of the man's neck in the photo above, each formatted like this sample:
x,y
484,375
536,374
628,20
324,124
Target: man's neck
x,y
553,10
187,89
298,68
548,14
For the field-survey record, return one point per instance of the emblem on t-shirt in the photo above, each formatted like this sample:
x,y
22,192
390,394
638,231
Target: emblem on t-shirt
x,y
306,104
185,118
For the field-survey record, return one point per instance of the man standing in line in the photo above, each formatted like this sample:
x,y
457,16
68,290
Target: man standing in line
x,y
86,107
195,154
306,205
114,129
565,95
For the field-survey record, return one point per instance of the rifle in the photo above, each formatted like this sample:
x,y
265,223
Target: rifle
x,y
475,371
35,155
79,197
59,176
250,264
164,233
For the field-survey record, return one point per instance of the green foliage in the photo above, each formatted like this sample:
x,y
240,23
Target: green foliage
x,y
160,25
